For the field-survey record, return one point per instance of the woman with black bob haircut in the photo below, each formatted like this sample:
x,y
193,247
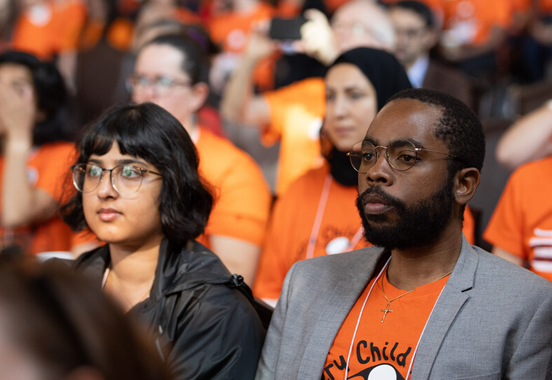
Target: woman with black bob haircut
x,y
34,130
138,189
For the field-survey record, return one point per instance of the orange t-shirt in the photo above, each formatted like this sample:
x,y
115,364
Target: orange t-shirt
x,y
468,22
47,167
231,30
49,29
296,113
292,222
522,221
242,197
382,350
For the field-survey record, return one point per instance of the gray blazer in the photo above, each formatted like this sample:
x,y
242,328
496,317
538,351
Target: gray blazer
x,y
492,321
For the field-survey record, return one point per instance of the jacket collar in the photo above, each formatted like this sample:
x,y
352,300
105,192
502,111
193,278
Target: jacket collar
x,y
355,271
178,268
455,294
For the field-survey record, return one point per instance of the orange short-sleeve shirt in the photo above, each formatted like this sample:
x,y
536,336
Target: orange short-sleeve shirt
x,y
296,113
231,30
242,197
292,223
47,169
51,28
522,221
469,22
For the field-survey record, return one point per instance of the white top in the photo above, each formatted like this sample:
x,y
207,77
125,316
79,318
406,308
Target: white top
x,y
418,71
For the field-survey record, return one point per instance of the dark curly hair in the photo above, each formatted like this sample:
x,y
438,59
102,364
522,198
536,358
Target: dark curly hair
x,y
153,134
51,96
458,127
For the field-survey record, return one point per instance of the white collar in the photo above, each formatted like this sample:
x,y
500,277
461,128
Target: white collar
x,y
418,71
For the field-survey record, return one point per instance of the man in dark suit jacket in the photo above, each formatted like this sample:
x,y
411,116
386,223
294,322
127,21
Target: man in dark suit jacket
x,y
416,34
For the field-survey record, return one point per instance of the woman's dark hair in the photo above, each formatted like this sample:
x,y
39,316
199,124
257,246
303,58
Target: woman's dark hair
x,y
195,63
51,97
61,322
153,134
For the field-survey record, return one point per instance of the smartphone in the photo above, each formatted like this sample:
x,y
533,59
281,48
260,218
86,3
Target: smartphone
x,y
285,29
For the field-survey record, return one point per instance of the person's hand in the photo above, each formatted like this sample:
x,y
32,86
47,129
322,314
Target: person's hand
x,y
17,109
317,37
259,45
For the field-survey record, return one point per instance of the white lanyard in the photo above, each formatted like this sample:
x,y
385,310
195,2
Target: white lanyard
x,y
318,221
360,316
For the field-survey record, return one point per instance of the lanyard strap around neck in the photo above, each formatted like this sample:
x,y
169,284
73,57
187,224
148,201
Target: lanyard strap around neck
x,y
360,316
319,216
318,221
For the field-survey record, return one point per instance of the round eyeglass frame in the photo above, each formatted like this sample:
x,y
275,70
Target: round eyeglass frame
x,y
83,167
153,82
356,154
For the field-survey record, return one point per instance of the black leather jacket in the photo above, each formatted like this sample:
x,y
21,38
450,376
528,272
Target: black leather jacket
x,y
203,325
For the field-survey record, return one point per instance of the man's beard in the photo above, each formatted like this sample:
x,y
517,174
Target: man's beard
x,y
418,225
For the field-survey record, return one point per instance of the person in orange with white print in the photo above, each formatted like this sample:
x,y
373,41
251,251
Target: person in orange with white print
x,y
520,228
473,32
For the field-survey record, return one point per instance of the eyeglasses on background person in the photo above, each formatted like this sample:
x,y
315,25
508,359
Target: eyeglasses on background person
x,y
126,179
162,85
401,155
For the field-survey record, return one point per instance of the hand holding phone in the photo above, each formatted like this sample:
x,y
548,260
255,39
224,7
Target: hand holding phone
x,y
286,29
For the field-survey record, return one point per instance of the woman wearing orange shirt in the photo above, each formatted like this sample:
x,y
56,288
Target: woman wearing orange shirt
x,y
358,84
171,71
33,125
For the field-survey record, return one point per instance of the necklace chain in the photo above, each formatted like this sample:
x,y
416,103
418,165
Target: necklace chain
x,y
387,310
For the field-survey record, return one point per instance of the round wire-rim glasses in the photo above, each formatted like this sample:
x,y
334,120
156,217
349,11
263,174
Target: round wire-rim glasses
x,y
126,179
400,155
160,84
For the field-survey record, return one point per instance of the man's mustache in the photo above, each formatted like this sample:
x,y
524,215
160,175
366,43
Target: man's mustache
x,y
389,199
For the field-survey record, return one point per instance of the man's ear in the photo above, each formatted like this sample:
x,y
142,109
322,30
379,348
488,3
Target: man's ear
x,y
466,183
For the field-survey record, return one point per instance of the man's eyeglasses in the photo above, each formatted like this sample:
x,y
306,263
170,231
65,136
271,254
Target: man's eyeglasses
x,y
161,84
125,179
401,155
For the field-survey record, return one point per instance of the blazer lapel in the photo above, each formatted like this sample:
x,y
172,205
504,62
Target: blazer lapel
x,y
337,303
449,304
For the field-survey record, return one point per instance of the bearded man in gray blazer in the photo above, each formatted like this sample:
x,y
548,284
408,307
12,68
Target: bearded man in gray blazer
x,y
423,303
